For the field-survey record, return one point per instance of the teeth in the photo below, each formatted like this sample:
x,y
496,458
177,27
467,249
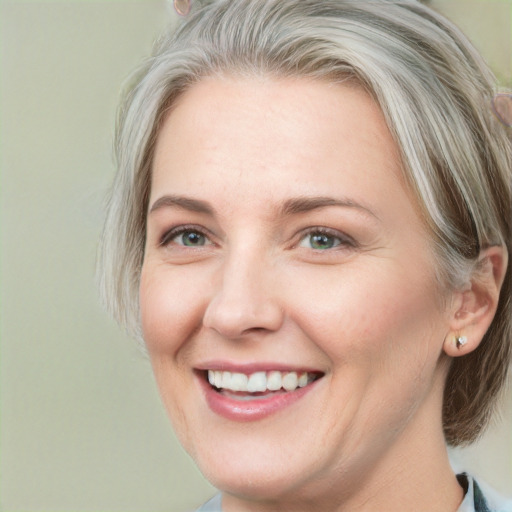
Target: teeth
x,y
239,382
226,380
290,381
274,381
259,381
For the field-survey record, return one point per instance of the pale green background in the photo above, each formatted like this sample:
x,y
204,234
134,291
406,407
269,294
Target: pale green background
x,y
82,428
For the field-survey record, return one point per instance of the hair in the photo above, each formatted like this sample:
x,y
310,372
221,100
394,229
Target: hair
x,y
435,92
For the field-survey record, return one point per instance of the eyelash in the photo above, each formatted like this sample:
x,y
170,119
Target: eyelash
x,y
173,233
344,241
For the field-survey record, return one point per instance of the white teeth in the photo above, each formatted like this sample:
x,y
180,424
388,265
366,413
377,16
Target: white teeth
x,y
274,381
239,382
290,381
226,380
259,381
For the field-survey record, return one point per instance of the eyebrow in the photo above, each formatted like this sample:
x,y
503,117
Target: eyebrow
x,y
186,203
290,207
306,204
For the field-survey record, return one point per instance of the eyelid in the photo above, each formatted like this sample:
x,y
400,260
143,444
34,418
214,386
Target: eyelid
x,y
345,240
175,231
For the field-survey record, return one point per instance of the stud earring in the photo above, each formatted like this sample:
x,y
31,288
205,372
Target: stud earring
x,y
460,341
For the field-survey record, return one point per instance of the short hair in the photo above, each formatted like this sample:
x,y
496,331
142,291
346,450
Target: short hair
x,y
435,92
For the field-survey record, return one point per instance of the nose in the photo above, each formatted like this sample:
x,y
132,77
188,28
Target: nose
x,y
245,299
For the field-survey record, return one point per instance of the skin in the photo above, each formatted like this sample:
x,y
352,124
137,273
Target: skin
x,y
366,312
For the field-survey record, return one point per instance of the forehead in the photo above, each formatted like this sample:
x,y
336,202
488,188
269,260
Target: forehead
x,y
270,138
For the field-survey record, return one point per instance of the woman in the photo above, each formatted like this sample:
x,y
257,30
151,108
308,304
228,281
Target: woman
x,y
309,231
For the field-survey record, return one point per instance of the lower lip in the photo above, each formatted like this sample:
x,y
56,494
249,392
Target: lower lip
x,y
254,409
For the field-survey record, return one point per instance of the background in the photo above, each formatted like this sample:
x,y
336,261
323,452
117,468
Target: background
x,y
81,425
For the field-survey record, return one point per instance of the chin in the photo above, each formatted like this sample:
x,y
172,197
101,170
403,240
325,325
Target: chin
x,y
259,469
254,481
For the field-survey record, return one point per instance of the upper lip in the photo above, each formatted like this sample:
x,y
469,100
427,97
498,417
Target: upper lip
x,y
253,367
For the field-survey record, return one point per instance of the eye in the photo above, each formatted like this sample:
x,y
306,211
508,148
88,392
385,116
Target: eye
x,y
186,237
321,240
190,239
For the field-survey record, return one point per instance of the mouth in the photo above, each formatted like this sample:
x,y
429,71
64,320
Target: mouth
x,y
249,392
258,385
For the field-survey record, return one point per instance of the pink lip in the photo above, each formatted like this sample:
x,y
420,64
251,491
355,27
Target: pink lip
x,y
251,410
249,368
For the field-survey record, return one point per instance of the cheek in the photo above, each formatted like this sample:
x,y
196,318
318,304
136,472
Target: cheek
x,y
171,304
170,307
370,313
383,334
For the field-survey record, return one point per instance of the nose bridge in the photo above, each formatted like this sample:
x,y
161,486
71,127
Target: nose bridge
x,y
244,298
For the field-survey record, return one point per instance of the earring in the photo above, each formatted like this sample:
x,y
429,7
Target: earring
x,y
460,341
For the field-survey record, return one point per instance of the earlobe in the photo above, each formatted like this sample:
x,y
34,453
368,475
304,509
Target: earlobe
x,y
475,307
456,345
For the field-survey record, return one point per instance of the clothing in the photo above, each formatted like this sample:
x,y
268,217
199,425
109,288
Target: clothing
x,y
474,499
477,500
214,505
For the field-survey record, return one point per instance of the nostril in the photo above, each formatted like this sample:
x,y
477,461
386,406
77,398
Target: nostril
x,y
255,330
235,318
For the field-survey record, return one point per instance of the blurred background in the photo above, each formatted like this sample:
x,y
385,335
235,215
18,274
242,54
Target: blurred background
x,y
81,424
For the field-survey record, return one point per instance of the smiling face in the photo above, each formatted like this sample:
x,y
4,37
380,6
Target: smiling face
x,y
286,262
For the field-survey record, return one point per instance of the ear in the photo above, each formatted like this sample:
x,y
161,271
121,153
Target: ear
x,y
474,307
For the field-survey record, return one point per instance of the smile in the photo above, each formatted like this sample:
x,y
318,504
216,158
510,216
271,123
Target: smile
x,y
259,382
251,396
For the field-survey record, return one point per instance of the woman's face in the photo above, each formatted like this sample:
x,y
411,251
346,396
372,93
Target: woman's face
x,y
284,250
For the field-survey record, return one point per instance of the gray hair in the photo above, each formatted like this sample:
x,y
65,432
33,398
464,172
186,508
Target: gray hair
x,y
435,92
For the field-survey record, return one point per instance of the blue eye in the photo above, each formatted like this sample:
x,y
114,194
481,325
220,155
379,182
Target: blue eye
x,y
186,237
320,241
190,239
